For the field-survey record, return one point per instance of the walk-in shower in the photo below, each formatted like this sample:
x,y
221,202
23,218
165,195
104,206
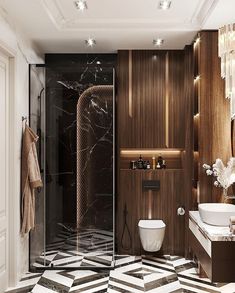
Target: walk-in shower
x,y
72,108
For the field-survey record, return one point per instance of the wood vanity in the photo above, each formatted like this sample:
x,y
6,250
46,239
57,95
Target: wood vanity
x,y
214,249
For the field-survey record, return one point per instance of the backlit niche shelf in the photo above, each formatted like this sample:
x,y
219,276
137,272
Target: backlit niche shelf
x,y
173,157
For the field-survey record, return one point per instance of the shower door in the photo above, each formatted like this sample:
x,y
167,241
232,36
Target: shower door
x,y
79,162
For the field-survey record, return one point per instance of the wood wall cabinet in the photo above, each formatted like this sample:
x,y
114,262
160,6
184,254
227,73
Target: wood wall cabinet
x,y
150,99
141,204
215,254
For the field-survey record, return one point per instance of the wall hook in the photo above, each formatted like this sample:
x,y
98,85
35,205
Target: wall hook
x,y
24,118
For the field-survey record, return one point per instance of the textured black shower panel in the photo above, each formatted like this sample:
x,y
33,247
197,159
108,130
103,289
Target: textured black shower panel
x,y
68,77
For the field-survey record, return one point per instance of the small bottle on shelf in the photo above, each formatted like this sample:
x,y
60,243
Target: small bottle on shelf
x,y
158,165
163,164
140,163
160,160
144,164
133,165
148,165
154,163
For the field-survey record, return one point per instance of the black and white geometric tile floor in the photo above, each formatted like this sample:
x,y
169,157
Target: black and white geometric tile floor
x,y
88,247
132,274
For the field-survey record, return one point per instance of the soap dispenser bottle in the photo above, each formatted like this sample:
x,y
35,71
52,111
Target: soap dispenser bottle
x,y
140,163
163,164
148,165
160,161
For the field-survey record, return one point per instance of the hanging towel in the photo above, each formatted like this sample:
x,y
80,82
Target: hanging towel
x,y
30,179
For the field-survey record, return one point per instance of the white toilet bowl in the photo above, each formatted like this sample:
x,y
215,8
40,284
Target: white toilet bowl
x,y
151,234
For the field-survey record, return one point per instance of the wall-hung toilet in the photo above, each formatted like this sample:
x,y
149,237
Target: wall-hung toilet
x,y
151,234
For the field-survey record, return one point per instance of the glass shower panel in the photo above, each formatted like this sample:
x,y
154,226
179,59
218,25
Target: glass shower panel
x,y
79,160
37,123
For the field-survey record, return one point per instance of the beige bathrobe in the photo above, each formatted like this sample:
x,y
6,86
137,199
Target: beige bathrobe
x,y
30,179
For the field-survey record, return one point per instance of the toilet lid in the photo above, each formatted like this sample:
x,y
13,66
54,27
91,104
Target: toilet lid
x,y
151,224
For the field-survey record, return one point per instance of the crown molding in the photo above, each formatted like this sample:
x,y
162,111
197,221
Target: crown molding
x,y
63,23
203,11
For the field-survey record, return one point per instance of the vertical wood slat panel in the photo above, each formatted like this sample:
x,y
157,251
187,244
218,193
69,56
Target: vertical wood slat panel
x,y
214,121
146,127
189,144
122,79
148,99
177,109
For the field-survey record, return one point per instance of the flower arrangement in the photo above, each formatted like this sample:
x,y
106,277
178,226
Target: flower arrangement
x,y
225,175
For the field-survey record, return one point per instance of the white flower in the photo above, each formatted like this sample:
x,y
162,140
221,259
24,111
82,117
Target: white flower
x,y
216,183
209,172
206,166
225,175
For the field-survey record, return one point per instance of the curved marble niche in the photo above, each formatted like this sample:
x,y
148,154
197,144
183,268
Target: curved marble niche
x,y
95,158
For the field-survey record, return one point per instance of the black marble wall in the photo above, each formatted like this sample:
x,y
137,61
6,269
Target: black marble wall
x,y
67,77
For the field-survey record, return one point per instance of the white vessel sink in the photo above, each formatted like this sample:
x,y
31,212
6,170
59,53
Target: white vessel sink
x,y
217,214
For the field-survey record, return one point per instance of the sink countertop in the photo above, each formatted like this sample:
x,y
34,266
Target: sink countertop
x,y
214,233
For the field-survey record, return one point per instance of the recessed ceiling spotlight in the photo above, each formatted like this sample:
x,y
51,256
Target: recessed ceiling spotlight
x,y
80,5
154,57
164,4
158,42
90,42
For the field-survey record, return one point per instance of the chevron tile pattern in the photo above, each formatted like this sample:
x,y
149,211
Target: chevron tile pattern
x,y
132,274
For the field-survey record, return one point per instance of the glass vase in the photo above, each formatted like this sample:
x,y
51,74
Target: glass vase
x,y
228,193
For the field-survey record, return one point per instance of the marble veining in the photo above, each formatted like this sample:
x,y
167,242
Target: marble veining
x,y
68,78
95,157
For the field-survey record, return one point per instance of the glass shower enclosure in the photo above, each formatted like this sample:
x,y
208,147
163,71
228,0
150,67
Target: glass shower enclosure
x,y
72,109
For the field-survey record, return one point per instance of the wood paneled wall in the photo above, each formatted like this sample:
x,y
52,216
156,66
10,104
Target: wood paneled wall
x,y
161,87
214,115
189,145
154,89
177,99
156,117
141,204
148,89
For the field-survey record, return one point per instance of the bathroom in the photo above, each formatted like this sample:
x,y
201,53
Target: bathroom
x,y
134,130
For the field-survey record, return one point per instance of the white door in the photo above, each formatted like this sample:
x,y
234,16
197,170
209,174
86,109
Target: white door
x,y
4,167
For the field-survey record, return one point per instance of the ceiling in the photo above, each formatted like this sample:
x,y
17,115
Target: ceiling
x,y
56,26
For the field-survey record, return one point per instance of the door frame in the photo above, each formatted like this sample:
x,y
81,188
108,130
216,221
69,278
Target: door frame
x,y
12,204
